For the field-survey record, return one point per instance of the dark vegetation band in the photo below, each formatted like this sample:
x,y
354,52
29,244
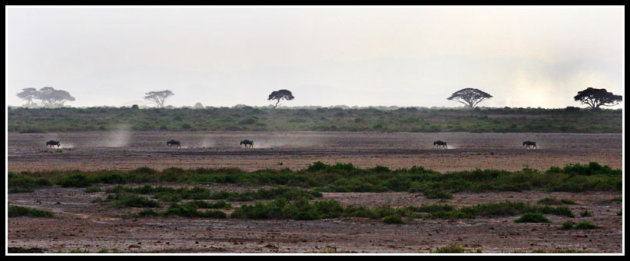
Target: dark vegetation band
x,y
245,118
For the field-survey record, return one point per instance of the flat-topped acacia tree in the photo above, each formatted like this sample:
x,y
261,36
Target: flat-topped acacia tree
x,y
28,94
597,97
469,97
280,95
159,97
53,98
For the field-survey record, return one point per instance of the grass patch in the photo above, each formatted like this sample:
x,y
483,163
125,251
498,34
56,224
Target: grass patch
x,y
23,184
549,201
437,194
25,250
585,225
129,200
302,209
532,218
568,225
170,194
339,177
393,219
183,210
204,204
580,225
92,189
449,249
380,119
17,211
585,213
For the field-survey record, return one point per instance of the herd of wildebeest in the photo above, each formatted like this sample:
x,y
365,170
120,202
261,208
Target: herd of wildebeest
x,y
439,144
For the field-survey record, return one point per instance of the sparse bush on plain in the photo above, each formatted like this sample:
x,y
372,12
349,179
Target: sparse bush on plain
x,y
568,225
129,200
549,201
17,211
449,249
585,225
22,184
532,218
393,219
409,119
341,178
92,189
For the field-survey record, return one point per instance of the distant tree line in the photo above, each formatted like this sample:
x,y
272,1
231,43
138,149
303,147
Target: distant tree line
x,y
470,97
48,96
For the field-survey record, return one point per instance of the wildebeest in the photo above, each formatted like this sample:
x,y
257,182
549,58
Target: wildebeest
x,y
247,142
439,144
173,143
529,144
51,143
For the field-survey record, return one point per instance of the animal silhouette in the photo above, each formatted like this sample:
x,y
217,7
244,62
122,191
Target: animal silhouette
x,y
247,142
529,144
439,144
51,143
171,143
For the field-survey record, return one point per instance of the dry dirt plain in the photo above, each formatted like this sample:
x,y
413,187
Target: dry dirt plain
x,y
296,150
80,225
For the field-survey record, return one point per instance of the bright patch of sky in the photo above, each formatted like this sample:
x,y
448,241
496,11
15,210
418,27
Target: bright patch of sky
x,y
367,56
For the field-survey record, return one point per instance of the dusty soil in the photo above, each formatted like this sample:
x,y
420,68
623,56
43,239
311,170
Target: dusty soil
x,y
82,225
297,150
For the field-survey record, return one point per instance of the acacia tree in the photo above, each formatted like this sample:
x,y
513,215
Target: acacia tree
x,y
280,95
28,94
53,98
469,96
597,97
158,97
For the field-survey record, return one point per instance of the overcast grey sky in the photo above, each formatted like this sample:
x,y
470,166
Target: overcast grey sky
x,y
403,56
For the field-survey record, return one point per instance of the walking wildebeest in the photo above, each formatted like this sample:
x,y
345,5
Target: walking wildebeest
x,y
247,142
439,144
529,144
173,143
51,143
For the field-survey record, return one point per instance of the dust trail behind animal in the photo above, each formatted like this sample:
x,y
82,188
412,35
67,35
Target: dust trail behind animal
x,y
279,140
119,136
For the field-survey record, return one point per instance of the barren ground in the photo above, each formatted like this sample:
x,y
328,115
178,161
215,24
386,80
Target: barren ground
x,y
297,150
82,225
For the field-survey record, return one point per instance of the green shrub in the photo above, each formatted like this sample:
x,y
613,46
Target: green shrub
x,y
393,219
77,180
17,211
585,213
124,200
25,250
449,249
204,204
22,184
585,225
532,218
190,211
568,225
549,201
92,189
437,194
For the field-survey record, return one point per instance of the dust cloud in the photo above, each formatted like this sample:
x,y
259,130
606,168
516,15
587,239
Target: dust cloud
x,y
119,137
